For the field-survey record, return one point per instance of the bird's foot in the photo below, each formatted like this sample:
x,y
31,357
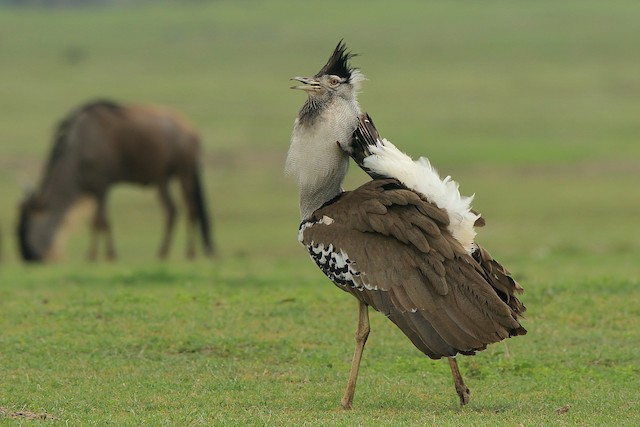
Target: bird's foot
x,y
464,393
346,404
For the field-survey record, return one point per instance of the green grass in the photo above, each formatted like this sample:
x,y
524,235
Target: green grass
x,y
532,106
269,343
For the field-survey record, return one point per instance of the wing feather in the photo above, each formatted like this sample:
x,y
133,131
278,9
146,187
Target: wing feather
x,y
403,261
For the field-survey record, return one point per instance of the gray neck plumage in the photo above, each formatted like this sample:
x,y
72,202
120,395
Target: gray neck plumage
x,y
317,157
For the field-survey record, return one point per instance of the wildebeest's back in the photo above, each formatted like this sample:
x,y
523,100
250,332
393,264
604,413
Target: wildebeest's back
x,y
139,144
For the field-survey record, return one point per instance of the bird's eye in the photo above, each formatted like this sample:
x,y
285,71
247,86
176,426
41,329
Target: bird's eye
x,y
334,81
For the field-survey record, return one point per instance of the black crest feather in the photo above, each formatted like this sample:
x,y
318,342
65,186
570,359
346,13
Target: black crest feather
x,y
338,63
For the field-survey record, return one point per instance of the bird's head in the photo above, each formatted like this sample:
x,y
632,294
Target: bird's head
x,y
336,78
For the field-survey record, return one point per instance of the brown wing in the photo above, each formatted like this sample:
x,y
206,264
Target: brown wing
x,y
391,249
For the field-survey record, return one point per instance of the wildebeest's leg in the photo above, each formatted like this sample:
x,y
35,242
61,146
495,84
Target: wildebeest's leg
x,y
101,225
187,184
170,210
92,253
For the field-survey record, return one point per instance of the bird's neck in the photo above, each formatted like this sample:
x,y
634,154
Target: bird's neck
x,y
317,156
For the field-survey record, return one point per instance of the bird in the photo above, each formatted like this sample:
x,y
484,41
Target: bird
x,y
402,243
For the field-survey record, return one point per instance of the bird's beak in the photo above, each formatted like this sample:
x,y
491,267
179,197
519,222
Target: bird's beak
x,y
310,84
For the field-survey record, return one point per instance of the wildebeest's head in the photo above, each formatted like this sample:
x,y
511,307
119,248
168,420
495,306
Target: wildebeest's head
x,y
34,233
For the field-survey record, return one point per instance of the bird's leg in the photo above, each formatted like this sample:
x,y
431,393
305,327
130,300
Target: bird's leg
x,y
362,333
462,390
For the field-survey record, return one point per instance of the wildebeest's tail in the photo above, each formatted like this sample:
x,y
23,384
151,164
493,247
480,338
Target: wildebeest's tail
x,y
203,214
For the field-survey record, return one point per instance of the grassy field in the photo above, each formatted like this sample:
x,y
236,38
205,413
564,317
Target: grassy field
x,y
532,106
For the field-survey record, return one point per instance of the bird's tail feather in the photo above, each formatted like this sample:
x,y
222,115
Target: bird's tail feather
x,y
364,137
379,158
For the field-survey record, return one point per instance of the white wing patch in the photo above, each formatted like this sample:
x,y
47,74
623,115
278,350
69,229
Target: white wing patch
x,y
333,261
420,176
337,266
326,220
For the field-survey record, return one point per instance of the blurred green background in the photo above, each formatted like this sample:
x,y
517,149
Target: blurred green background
x,y
532,106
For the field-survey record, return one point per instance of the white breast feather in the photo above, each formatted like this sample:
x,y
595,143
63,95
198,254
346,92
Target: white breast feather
x,y
421,177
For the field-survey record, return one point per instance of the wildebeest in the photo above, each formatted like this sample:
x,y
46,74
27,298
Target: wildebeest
x,y
103,143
